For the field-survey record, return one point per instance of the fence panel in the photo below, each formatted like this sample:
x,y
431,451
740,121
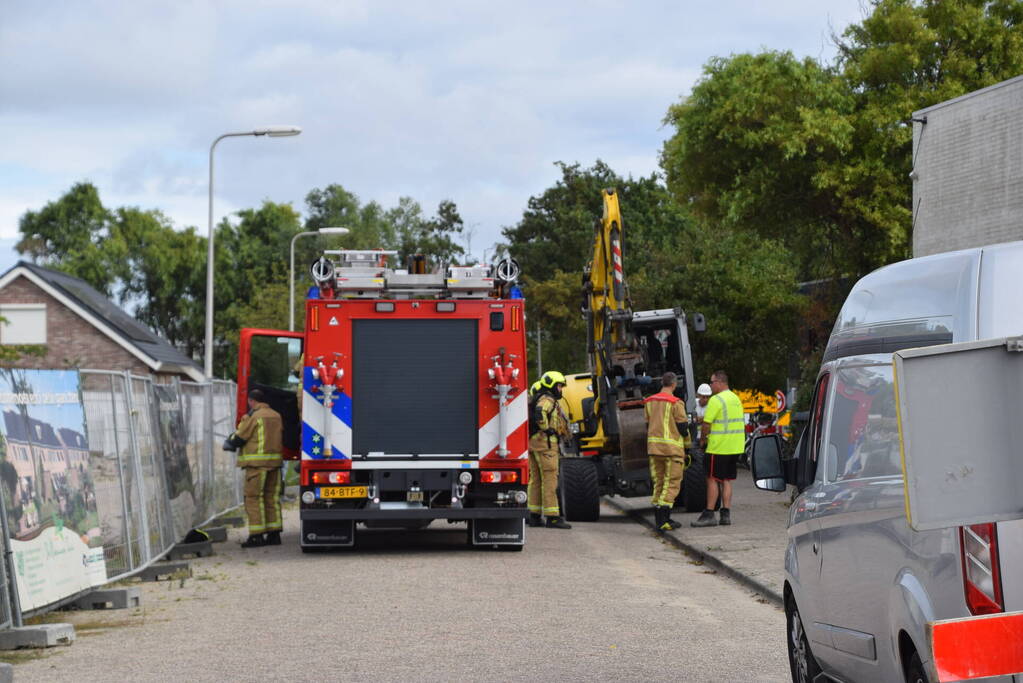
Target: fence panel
x,y
228,481
141,467
111,463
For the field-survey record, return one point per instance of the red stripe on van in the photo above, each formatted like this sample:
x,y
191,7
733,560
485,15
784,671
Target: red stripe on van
x,y
977,647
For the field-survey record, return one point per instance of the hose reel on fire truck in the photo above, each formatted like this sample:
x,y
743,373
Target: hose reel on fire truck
x,y
322,271
507,270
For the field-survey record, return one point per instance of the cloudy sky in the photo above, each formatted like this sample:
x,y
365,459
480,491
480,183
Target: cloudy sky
x,y
469,101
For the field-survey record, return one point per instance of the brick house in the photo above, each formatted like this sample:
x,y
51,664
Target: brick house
x,y
81,328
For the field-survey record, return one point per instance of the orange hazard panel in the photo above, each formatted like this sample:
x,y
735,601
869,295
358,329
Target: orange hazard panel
x,y
976,647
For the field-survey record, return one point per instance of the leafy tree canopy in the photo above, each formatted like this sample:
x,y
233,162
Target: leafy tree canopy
x,y
745,285
818,155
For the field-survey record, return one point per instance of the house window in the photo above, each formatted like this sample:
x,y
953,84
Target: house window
x,y
26,324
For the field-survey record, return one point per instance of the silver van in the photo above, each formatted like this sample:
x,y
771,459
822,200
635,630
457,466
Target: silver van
x,y
860,584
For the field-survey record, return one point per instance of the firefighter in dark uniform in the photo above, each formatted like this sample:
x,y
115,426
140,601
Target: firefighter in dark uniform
x,y
545,453
259,435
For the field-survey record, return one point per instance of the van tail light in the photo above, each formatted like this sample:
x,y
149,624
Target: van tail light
x,y
978,546
499,477
332,477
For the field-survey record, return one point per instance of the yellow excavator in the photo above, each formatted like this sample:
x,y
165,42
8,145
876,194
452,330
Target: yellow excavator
x,y
627,353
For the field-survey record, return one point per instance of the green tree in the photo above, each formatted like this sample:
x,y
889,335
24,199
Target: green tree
x,y
556,229
70,235
818,155
162,272
753,145
369,225
903,57
670,260
434,237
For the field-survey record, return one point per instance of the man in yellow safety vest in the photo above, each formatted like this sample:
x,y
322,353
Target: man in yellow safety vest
x,y
723,437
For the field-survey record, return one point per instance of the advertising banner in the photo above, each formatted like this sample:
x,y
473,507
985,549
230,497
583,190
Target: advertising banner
x,y
48,488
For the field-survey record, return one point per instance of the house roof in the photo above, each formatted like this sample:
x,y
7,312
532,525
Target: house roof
x,y
107,317
72,439
32,430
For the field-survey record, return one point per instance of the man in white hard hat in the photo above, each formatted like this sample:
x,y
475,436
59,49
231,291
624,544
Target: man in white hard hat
x,y
703,395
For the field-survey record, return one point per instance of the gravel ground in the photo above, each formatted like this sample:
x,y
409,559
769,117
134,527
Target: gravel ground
x,y
604,601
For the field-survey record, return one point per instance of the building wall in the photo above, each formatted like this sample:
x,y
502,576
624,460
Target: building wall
x,y
71,342
968,168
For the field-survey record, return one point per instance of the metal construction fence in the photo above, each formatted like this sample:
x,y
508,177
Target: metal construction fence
x,y
98,490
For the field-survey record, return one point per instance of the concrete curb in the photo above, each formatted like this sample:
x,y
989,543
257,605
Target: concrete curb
x,y
704,556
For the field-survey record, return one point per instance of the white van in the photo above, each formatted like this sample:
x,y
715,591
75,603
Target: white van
x,y
860,584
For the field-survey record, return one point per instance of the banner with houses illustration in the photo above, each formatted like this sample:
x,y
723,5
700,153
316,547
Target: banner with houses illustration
x,y
48,488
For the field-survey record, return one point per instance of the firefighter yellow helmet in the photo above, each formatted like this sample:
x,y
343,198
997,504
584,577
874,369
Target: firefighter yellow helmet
x,y
552,378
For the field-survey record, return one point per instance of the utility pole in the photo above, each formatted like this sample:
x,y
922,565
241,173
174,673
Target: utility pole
x,y
539,352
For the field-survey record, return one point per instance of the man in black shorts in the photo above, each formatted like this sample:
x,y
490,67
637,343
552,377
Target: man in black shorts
x,y
723,438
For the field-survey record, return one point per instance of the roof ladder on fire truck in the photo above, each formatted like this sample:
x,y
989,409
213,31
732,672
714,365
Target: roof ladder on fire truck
x,y
364,274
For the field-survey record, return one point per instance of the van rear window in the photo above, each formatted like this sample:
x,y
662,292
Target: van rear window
x,y
863,440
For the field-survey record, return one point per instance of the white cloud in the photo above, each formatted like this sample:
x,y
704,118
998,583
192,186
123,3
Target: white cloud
x,y
462,100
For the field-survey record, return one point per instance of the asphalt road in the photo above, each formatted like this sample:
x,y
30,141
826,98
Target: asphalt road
x,y
604,601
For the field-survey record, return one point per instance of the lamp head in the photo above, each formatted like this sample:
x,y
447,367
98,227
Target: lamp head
x,y
278,131
333,231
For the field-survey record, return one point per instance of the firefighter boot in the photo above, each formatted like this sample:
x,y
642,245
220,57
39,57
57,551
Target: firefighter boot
x,y
668,520
534,519
254,541
659,523
706,518
557,523
273,538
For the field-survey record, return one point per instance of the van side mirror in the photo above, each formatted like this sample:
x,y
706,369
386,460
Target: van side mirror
x,y
766,463
699,322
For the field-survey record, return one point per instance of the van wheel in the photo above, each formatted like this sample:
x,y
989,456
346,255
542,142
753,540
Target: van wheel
x,y
802,663
915,670
579,490
694,485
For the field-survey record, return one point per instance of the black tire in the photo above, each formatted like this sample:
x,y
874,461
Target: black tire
x,y
694,485
915,670
802,664
580,492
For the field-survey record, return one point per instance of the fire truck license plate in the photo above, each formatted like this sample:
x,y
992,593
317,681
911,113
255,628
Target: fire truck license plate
x,y
343,492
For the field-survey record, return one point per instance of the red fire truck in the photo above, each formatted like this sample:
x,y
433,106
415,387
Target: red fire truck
x,y
412,399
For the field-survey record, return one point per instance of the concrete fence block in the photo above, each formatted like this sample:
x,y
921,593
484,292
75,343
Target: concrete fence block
x,y
234,520
115,598
201,549
165,570
217,534
41,635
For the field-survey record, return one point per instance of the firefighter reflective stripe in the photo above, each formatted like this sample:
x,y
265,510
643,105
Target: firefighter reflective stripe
x,y
666,430
253,457
261,436
727,427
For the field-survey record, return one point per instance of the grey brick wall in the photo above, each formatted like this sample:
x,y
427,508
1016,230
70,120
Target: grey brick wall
x,y
968,168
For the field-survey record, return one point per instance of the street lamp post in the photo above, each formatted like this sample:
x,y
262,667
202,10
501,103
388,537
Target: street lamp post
x,y
270,131
291,275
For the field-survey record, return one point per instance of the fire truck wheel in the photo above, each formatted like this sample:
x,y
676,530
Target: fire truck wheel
x,y
580,492
694,486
